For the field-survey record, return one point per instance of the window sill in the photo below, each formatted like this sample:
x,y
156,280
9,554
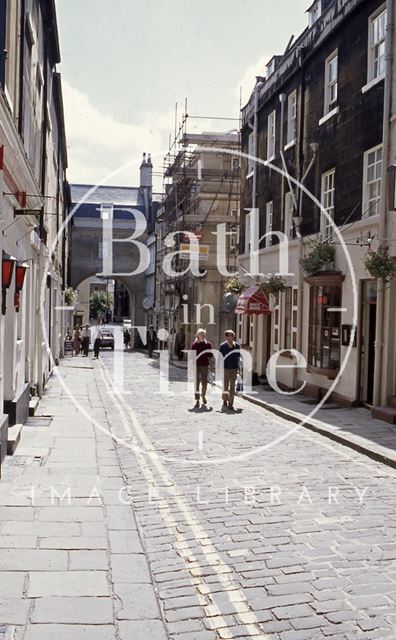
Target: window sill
x,y
329,115
329,373
372,84
289,145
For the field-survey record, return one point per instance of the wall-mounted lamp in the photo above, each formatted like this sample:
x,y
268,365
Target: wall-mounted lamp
x,y
7,271
21,268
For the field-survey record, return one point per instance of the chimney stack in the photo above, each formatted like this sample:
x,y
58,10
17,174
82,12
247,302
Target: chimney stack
x,y
146,172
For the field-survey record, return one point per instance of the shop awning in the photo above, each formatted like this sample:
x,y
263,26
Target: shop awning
x,y
253,302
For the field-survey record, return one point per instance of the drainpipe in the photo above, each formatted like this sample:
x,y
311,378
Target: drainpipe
x,y
297,221
383,205
255,141
21,69
282,100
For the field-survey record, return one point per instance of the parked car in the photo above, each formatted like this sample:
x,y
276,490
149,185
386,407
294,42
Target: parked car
x,y
107,340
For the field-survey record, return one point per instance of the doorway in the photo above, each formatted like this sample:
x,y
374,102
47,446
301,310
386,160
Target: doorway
x,y
367,340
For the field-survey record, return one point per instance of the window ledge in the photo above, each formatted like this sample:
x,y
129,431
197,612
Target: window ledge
x,y
372,84
329,115
329,373
289,145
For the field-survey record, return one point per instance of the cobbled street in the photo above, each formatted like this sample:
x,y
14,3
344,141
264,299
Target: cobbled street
x,y
194,525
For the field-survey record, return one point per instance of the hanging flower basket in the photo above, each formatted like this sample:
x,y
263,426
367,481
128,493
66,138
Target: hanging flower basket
x,y
275,285
379,265
234,285
319,257
70,297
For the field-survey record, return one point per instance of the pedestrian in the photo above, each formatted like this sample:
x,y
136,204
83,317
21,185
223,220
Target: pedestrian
x,y
230,350
171,344
202,347
180,343
151,340
127,339
77,340
97,342
86,339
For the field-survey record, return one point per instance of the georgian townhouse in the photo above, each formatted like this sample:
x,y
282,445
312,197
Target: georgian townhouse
x,y
315,122
33,207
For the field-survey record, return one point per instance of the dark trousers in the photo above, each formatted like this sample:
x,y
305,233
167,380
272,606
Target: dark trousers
x,y
97,347
85,346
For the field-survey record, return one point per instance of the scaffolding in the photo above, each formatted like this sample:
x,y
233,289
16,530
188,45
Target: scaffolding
x,y
201,188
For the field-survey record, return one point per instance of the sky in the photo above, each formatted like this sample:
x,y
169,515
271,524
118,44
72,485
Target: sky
x,y
125,64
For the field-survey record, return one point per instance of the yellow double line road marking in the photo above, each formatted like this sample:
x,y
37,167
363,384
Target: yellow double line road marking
x,y
235,594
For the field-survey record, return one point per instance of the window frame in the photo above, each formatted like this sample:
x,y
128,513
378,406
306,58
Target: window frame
x,y
366,199
329,104
291,118
271,135
324,223
327,329
372,45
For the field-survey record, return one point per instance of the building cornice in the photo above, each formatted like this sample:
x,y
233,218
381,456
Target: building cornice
x,y
304,47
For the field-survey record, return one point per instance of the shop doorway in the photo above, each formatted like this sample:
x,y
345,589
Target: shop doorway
x,y
367,340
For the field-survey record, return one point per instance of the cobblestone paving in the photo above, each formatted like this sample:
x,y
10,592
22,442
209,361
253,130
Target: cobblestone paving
x,y
294,542
183,532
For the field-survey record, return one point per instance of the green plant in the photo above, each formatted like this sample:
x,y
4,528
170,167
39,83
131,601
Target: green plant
x,y
233,285
275,284
380,265
99,303
70,296
318,255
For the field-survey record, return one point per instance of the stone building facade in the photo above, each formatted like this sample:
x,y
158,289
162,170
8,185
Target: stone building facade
x,y
33,204
318,123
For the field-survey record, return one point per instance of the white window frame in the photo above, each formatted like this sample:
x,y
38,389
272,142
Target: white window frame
x,y
234,163
289,213
271,135
371,205
292,118
269,215
251,331
374,44
331,84
327,200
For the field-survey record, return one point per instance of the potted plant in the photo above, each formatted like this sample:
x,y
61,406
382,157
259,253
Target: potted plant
x,y
70,297
319,257
380,265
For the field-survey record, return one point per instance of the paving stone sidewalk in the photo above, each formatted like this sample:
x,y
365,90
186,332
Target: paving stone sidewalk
x,y
72,565
353,427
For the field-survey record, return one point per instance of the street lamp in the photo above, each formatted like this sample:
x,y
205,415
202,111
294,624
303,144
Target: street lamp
x,y
7,270
21,268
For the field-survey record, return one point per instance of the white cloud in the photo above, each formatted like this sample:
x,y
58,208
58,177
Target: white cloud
x,y
98,144
248,80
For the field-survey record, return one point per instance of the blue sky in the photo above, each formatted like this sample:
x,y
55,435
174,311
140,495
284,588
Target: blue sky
x,y
126,63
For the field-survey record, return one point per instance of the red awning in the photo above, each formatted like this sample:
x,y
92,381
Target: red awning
x,y
253,302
